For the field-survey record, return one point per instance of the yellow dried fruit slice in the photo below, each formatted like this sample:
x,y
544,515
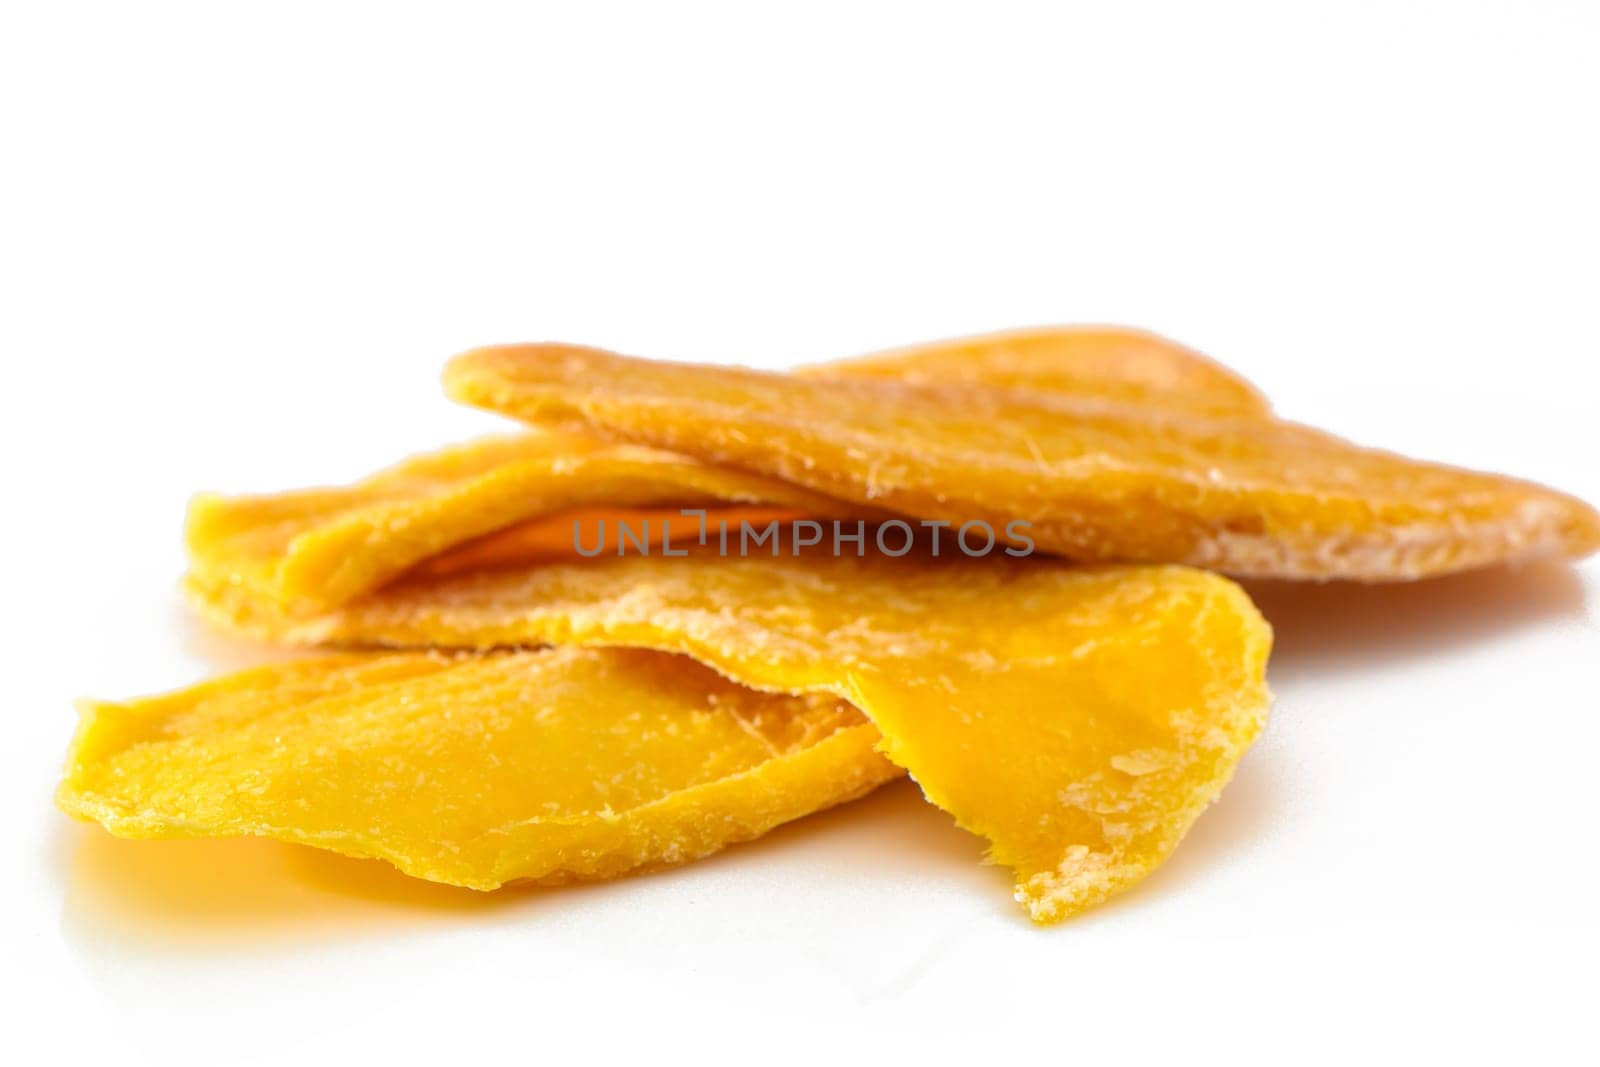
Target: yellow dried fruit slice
x,y
1097,479
1080,718
1113,362
589,532
303,552
476,770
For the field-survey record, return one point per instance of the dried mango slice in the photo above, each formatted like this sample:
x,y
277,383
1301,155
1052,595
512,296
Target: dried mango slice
x,y
304,552
590,532
1096,479
477,770
1113,362
1080,718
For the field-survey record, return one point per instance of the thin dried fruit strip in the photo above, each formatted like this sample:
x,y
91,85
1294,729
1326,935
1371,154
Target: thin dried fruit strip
x,y
589,532
1096,479
303,552
1080,718
476,770
1113,362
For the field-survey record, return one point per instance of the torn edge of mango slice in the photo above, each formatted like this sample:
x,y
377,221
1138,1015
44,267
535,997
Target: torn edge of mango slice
x,y
1095,478
477,770
307,551
1079,718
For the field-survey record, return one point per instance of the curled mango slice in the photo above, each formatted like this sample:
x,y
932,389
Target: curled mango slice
x,y
478,770
1080,718
592,531
1098,479
303,552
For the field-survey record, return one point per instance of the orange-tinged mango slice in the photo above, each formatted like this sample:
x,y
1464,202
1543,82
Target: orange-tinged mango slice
x,y
303,552
476,770
1080,718
590,532
1097,478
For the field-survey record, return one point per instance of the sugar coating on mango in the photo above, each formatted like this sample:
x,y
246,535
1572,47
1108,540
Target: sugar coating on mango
x,y
1079,718
303,552
1098,479
477,770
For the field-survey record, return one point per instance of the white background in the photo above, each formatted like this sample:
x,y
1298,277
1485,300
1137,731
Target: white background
x,y
238,242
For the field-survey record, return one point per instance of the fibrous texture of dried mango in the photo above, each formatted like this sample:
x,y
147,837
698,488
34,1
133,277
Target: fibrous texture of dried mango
x,y
474,770
1080,718
1098,478
303,552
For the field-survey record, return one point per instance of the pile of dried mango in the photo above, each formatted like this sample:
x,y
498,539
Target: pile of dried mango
x,y
506,704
